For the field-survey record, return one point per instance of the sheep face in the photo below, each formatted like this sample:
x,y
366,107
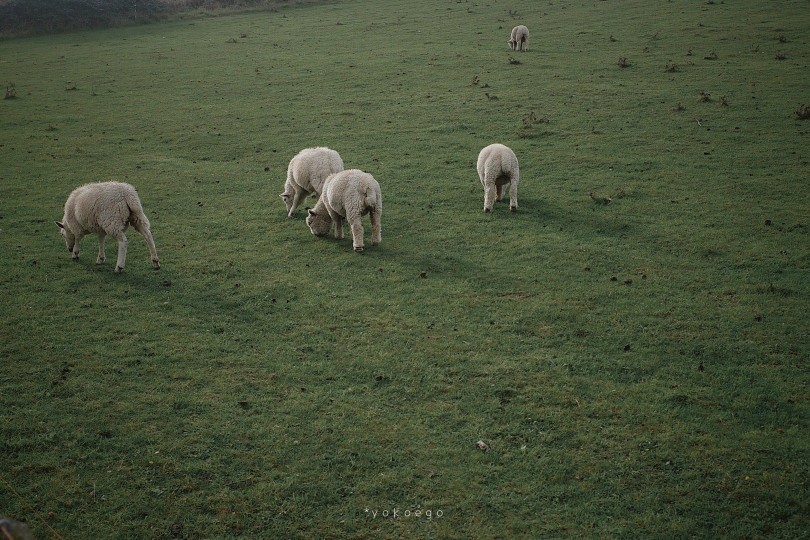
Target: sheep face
x,y
319,224
70,238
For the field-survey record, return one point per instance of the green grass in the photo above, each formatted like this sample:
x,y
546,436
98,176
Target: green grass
x,y
632,344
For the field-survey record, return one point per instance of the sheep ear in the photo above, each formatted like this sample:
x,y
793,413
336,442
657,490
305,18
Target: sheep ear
x,y
283,196
59,225
310,212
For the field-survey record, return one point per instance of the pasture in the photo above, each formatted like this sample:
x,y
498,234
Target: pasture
x,y
624,356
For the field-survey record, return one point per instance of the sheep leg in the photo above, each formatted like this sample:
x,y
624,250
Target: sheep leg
x,y
513,205
150,243
490,194
338,221
77,241
357,233
102,256
122,252
376,227
299,196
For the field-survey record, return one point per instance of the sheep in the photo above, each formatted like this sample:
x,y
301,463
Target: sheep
x,y
306,173
14,530
519,38
105,208
498,166
348,195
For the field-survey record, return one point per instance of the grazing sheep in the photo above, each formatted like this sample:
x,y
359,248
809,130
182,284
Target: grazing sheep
x,y
519,39
348,195
105,208
498,166
14,530
306,174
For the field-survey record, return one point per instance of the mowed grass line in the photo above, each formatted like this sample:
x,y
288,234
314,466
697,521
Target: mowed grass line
x,y
631,344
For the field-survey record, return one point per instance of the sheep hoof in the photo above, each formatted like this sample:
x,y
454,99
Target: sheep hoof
x,y
119,269
156,265
359,249
100,261
513,208
487,210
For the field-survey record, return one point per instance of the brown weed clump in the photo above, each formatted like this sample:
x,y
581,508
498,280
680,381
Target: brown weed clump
x,y
528,124
623,62
529,120
803,112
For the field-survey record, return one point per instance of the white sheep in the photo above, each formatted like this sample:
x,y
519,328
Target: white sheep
x,y
498,166
306,173
105,208
519,38
348,195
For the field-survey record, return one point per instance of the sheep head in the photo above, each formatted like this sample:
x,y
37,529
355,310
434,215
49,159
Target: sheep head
x,y
70,238
318,223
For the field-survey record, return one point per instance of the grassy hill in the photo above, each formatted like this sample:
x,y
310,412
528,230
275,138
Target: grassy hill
x,y
630,348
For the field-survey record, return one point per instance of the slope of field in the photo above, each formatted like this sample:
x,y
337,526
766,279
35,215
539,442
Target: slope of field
x,y
626,355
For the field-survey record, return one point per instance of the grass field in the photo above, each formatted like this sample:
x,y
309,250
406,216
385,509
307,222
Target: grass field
x,y
631,347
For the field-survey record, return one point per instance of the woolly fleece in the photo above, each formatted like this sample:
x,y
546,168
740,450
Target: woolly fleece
x,y
498,166
348,195
306,174
519,38
107,209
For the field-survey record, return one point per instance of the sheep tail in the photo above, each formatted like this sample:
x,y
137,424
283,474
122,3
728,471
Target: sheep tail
x,y
136,214
371,197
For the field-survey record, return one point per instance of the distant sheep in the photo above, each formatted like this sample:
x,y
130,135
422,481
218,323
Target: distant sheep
x,y
107,209
519,39
498,166
348,195
306,174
